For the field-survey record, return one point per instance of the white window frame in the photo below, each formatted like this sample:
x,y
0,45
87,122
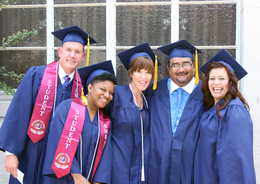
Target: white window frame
x,y
111,25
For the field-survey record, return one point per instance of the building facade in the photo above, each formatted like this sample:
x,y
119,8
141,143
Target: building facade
x,y
117,25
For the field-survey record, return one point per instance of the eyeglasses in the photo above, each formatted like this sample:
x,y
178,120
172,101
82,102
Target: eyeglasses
x,y
186,65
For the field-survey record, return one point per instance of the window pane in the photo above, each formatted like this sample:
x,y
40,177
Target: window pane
x,y
208,24
163,59
20,62
95,56
139,24
14,20
141,0
207,0
26,2
91,19
78,1
121,72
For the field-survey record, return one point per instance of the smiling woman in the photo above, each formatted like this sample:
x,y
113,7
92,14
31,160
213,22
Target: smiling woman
x,y
130,116
224,152
85,129
218,83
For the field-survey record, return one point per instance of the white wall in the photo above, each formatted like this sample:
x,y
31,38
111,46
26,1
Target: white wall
x,y
4,103
250,59
250,40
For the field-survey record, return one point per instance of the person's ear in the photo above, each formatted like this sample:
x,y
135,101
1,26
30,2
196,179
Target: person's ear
x,y
90,88
60,51
83,56
168,68
131,75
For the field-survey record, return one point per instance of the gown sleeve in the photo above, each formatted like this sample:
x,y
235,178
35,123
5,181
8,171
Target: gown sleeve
x,y
19,114
235,146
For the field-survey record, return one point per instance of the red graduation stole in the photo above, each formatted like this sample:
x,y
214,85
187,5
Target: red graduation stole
x,y
45,99
70,136
104,130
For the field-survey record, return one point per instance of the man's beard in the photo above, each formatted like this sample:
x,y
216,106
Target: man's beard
x,y
184,80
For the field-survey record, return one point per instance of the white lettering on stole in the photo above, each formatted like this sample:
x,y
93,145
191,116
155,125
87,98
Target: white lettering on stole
x,y
68,140
106,134
72,129
70,134
49,83
43,108
67,145
47,91
44,102
76,117
74,123
46,97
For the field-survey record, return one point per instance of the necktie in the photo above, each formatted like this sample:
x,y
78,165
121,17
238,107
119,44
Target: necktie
x,y
179,90
176,99
67,80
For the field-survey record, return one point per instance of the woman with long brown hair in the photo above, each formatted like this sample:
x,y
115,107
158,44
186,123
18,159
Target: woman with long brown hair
x,y
224,152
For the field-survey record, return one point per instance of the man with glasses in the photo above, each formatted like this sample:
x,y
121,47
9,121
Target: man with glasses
x,y
24,131
175,110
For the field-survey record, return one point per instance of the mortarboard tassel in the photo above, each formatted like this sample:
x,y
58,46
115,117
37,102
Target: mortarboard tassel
x,y
84,99
196,68
155,73
87,62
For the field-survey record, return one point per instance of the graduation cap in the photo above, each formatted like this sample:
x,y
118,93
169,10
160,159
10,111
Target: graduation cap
x,y
129,55
87,73
142,50
73,34
225,58
182,49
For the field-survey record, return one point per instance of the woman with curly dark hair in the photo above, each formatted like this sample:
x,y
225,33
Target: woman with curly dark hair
x,y
80,132
224,152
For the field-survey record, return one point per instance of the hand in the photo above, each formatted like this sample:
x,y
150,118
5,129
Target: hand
x,y
11,164
79,179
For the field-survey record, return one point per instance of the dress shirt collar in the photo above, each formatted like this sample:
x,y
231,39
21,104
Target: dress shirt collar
x,y
62,74
188,88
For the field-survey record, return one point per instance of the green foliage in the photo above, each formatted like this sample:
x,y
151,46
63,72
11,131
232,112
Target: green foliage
x,y
6,2
16,38
13,76
8,42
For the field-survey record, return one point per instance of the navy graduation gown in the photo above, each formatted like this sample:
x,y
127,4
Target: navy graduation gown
x,y
171,158
126,138
224,152
13,131
88,141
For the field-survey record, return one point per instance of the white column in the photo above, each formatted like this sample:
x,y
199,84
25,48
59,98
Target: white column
x,y
175,21
111,32
49,29
250,39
